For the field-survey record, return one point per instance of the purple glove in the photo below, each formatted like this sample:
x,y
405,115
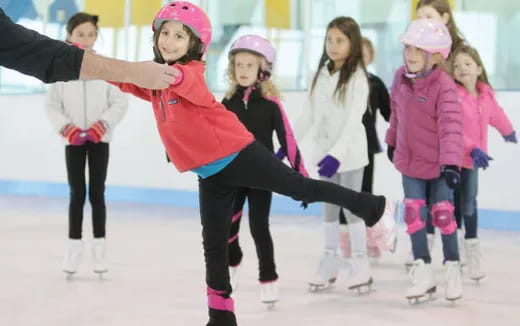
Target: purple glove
x,y
280,154
451,174
480,159
511,138
328,166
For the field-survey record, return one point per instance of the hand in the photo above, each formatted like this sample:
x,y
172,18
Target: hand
x,y
74,135
96,131
480,159
328,166
511,138
153,75
390,153
280,154
451,174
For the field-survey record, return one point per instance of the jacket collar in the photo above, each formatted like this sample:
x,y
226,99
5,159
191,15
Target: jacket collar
x,y
421,83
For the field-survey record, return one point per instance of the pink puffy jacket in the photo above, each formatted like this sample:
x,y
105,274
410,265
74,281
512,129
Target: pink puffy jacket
x,y
477,114
425,124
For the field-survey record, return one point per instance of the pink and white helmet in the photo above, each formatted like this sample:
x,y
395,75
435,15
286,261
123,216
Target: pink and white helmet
x,y
429,35
188,14
256,44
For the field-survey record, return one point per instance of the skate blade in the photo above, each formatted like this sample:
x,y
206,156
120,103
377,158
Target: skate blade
x,y
101,274
313,287
428,296
270,304
359,287
70,275
452,300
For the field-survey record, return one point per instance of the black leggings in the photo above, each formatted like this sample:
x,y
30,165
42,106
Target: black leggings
x,y
256,167
76,157
259,202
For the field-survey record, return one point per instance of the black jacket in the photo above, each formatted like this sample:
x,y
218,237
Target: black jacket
x,y
37,55
262,117
378,100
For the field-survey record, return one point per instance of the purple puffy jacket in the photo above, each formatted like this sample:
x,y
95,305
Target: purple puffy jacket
x,y
425,124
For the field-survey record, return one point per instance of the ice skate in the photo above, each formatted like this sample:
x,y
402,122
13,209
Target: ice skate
x,y
452,272
98,256
423,284
326,273
269,293
384,232
72,257
233,276
359,277
473,256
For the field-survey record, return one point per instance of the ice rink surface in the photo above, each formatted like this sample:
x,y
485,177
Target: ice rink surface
x,y
156,275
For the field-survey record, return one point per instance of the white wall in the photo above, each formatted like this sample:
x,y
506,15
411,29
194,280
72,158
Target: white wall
x,y
32,151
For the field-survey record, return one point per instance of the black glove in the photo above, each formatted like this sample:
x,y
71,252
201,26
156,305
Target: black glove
x,y
451,173
390,153
304,204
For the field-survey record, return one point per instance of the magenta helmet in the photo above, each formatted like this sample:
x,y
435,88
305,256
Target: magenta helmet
x,y
429,35
188,14
255,44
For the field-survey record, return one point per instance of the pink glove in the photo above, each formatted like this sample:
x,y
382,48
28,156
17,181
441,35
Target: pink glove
x,y
96,131
74,135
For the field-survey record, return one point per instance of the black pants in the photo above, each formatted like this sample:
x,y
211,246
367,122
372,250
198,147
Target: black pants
x,y
368,175
259,202
256,167
76,158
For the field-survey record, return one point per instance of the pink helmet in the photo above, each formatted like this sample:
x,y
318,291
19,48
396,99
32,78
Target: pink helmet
x,y
188,14
429,35
256,44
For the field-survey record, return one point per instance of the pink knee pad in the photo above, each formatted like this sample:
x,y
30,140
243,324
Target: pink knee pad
x,y
442,217
218,302
412,214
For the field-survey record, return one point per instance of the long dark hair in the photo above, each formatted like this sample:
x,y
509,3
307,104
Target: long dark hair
x,y
194,47
443,7
78,19
350,28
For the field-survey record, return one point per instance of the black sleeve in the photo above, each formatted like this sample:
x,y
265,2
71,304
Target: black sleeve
x,y
33,54
381,97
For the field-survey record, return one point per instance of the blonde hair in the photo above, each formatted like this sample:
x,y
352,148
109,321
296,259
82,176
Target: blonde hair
x,y
267,87
366,42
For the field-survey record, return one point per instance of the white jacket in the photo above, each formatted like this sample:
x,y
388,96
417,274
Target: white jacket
x,y
82,103
337,128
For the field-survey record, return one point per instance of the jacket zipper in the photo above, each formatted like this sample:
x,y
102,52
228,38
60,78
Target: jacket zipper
x,y
162,106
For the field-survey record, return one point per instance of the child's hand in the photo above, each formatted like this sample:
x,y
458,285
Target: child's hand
x,y
511,138
74,135
480,159
451,174
96,131
177,74
328,166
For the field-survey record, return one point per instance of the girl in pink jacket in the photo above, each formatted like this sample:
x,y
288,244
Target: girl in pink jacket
x,y
425,144
479,109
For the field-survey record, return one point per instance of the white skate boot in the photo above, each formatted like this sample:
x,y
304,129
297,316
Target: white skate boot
x,y
326,273
473,255
98,256
72,257
453,274
385,230
233,276
359,276
269,293
422,282
462,252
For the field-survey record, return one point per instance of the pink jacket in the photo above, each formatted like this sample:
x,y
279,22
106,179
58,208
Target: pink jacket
x,y
477,114
425,124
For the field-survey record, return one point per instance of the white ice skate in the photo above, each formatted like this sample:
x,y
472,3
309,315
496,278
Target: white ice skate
x,y
453,274
423,283
359,277
269,293
72,257
473,255
462,252
98,256
326,273
233,276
